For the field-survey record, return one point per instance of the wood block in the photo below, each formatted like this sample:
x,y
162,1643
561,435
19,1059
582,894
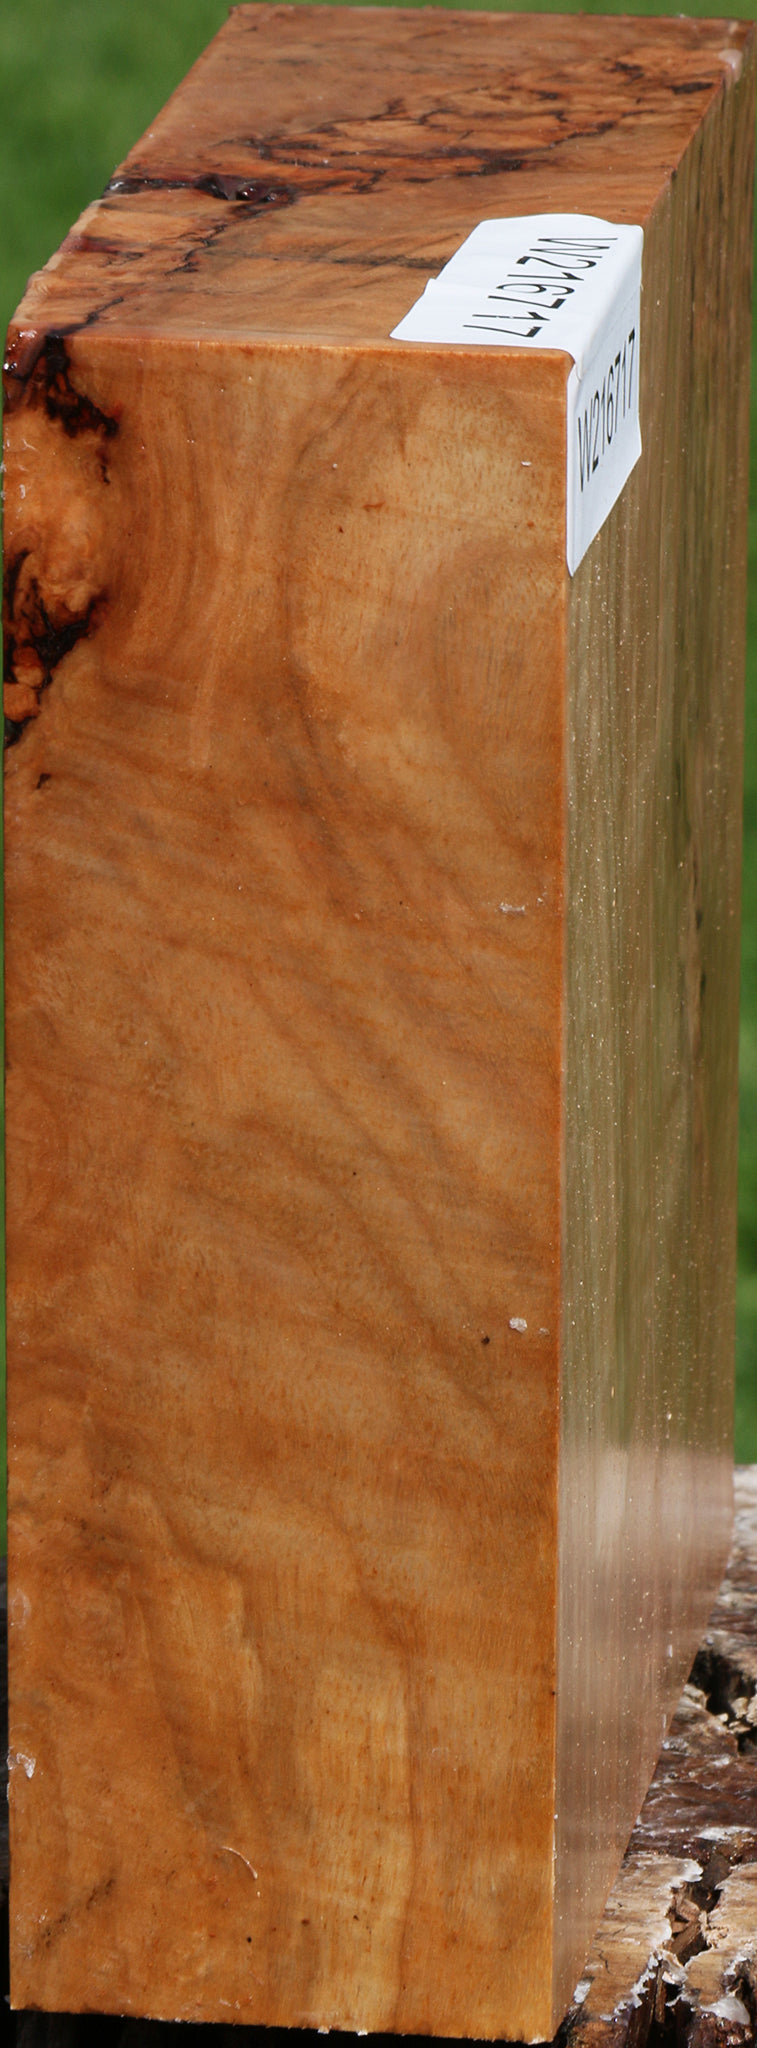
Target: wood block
x,y
372,927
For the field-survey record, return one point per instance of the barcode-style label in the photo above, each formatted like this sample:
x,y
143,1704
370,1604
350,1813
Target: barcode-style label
x,y
559,281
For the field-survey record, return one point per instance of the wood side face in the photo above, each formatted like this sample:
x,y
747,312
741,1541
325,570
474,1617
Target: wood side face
x,y
656,641
284,913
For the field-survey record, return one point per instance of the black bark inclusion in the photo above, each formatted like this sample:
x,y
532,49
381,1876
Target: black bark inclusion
x,y
256,194
29,624
50,639
77,413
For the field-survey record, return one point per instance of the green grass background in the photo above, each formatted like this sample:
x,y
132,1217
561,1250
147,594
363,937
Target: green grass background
x,y
79,82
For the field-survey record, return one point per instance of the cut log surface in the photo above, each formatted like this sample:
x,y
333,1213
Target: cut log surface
x,y
372,913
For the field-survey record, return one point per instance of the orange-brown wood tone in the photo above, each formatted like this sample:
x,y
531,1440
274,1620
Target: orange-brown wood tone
x,y
372,927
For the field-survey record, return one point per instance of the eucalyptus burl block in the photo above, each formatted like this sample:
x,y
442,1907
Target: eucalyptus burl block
x,y
372,935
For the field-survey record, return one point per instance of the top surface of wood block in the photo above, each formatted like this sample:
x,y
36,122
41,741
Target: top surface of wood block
x,y
318,164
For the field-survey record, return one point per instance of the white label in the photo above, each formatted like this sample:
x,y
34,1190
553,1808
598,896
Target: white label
x,y
604,439
562,281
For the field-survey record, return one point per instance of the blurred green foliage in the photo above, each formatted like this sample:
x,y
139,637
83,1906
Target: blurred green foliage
x,y
80,81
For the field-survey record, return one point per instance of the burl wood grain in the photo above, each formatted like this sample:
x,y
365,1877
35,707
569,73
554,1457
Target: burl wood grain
x,y
293,1155
362,873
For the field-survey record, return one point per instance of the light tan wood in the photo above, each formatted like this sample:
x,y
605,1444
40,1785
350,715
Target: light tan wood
x,y
654,770
325,781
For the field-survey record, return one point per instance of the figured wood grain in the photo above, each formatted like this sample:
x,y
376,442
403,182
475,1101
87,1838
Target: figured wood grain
x,y
677,1936
319,163
318,1499
304,1082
